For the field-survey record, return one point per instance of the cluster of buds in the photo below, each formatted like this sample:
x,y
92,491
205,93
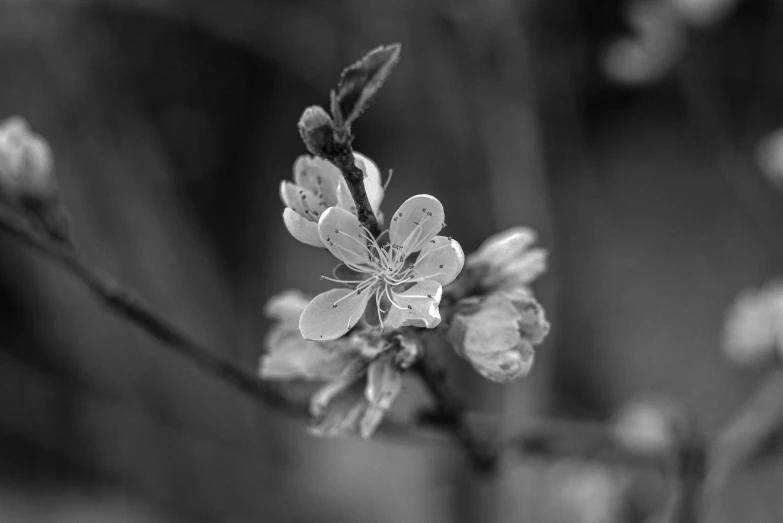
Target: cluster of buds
x,y
497,323
393,284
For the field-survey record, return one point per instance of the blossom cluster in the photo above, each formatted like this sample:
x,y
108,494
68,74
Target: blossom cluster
x,y
355,341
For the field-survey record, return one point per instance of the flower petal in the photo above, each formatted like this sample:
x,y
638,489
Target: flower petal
x,y
504,246
332,313
372,180
303,201
417,306
504,366
337,391
286,307
440,260
289,356
319,176
339,422
520,271
384,382
344,198
342,234
301,228
418,220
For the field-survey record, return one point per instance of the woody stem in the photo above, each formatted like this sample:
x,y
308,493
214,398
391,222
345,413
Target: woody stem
x,y
341,155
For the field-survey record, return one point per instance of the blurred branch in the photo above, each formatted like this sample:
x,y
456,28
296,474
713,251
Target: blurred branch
x,y
127,304
451,412
750,435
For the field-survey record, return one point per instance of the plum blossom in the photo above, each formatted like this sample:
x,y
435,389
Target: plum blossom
x,y
319,185
496,333
342,408
406,291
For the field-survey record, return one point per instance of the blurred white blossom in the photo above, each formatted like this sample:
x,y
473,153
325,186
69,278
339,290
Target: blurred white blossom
x,y
319,185
753,330
585,493
26,163
655,45
647,424
704,12
507,259
409,290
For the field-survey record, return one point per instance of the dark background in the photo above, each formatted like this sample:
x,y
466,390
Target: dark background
x,y
173,122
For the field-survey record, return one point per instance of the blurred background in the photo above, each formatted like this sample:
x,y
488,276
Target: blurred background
x,y
626,132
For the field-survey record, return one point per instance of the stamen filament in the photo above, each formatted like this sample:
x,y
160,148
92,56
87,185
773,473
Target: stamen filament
x,y
391,300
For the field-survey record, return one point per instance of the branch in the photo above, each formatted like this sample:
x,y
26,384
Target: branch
x,y
341,155
547,438
128,305
451,413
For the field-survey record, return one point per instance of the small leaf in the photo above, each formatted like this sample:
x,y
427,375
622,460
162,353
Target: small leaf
x,y
360,81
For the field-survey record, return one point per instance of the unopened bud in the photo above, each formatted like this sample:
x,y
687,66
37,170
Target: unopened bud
x,y
317,131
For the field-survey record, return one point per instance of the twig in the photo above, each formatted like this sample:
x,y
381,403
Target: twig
x,y
451,413
341,155
126,304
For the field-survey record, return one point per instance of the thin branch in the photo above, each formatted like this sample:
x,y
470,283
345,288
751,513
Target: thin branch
x,y
583,440
128,305
451,413
341,155
547,438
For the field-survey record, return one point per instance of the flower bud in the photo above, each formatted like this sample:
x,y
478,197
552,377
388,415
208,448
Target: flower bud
x,y
26,164
317,131
507,260
496,333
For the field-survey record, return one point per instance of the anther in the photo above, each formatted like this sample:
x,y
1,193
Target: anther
x,y
411,308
